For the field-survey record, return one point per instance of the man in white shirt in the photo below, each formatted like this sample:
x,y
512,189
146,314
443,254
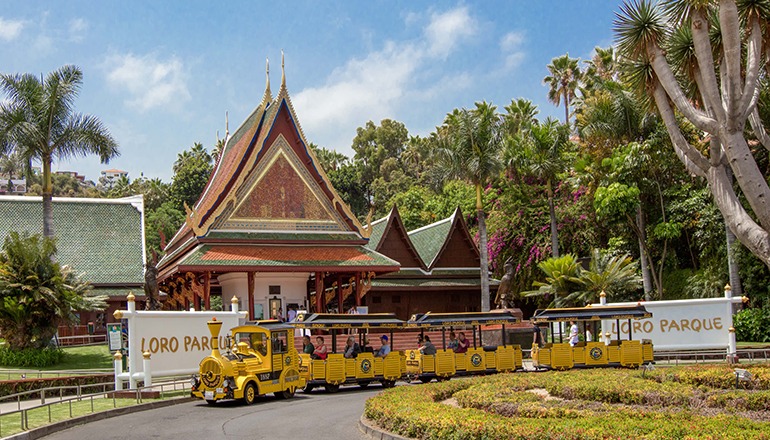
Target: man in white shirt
x,y
573,334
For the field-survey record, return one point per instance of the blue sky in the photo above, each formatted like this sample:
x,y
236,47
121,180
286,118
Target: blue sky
x,y
162,74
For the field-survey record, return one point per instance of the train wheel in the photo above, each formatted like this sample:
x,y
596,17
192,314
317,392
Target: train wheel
x,y
388,383
425,379
250,394
443,378
331,388
287,394
211,402
363,384
308,389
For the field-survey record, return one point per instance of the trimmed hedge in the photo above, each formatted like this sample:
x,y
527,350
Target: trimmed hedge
x,y
30,357
597,404
18,386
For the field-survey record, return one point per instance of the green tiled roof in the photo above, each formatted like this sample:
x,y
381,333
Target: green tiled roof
x,y
281,236
428,240
378,229
100,238
286,256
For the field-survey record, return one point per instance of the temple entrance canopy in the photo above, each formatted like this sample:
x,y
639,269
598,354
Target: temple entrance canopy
x,y
269,228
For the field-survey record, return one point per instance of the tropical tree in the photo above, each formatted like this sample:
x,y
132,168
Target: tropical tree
x,y
561,280
470,150
615,275
539,152
563,82
39,122
726,70
192,169
36,293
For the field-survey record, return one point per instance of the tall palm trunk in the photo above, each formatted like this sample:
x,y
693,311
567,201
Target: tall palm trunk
x,y
646,279
566,109
47,199
554,226
483,253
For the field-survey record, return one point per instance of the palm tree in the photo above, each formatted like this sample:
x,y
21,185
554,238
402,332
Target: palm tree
x,y
38,122
613,274
539,152
520,115
563,81
561,280
469,149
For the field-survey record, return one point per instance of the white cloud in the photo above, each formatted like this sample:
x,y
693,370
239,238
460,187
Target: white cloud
x,y
10,29
447,29
150,82
375,86
77,29
511,48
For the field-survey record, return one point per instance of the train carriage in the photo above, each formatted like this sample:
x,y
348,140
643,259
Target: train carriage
x,y
260,358
479,358
362,370
594,351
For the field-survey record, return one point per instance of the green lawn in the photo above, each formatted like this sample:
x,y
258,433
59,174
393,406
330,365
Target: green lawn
x,y
76,358
753,344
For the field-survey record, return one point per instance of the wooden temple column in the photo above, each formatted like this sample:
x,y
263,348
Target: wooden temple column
x,y
358,289
339,294
251,295
207,290
196,297
319,293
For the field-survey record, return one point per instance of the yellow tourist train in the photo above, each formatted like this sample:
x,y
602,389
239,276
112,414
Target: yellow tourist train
x,y
363,367
263,360
448,361
591,349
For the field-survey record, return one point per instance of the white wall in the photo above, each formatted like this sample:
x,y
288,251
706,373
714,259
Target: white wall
x,y
293,288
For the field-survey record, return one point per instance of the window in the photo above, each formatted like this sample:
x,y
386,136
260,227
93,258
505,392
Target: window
x,y
280,343
254,341
274,290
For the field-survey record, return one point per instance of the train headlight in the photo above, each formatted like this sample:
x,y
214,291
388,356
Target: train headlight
x,y
226,383
194,381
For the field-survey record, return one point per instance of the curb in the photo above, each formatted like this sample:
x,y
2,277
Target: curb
x,y
43,431
368,428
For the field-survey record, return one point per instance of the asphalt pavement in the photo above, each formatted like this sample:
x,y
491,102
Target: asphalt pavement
x,y
317,416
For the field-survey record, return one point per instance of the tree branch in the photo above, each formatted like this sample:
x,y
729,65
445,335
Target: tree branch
x,y
729,24
693,160
708,86
666,77
759,129
750,88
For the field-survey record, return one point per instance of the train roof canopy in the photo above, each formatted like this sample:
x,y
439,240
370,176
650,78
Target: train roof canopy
x,y
335,320
591,313
269,324
470,318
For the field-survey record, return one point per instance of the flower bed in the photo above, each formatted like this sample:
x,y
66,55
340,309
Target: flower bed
x,y
583,404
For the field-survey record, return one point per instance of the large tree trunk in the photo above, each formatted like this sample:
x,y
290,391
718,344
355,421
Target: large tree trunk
x,y
646,278
483,253
554,226
47,199
732,264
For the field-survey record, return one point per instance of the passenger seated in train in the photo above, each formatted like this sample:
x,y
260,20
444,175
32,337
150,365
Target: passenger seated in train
x,y
427,346
385,348
320,351
352,349
366,348
307,346
452,344
462,343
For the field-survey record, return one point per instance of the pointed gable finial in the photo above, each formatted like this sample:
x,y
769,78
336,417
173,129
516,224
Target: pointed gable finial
x,y
283,71
267,76
227,126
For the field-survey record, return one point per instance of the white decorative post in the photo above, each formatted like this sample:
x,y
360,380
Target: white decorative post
x,y
234,304
133,361
118,363
146,368
603,298
732,344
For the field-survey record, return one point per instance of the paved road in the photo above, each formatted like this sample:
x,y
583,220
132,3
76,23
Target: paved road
x,y
316,416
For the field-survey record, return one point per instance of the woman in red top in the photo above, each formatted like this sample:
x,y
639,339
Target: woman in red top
x,y
462,344
320,349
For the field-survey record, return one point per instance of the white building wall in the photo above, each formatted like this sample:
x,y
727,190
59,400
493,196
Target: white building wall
x,y
293,290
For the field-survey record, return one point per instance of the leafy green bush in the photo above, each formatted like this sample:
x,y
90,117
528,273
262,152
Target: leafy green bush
x,y
752,325
588,404
30,357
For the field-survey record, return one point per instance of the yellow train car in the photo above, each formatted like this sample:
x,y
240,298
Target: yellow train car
x,y
590,351
480,357
260,358
363,366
